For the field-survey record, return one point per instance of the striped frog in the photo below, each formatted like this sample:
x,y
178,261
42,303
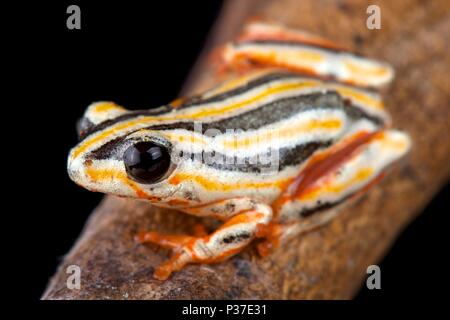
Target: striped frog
x,y
272,153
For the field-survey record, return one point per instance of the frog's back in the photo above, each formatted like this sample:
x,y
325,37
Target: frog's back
x,y
278,116
251,134
249,137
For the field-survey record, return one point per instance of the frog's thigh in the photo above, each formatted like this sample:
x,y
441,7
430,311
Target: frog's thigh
x,y
322,200
358,173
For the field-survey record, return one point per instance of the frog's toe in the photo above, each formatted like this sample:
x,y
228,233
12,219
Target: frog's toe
x,y
175,263
169,241
265,248
180,244
274,234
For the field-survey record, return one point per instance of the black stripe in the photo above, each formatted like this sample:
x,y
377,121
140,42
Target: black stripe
x,y
288,156
265,114
253,119
357,113
191,102
276,111
250,120
235,238
108,150
127,116
323,206
197,100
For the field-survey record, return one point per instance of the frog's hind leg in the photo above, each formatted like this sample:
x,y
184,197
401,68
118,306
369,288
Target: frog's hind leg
x,y
316,197
243,219
278,233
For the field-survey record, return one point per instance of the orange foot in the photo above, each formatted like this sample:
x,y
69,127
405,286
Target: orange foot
x,y
180,244
229,239
272,233
275,234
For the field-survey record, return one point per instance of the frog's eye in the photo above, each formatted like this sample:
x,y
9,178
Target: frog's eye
x,y
146,162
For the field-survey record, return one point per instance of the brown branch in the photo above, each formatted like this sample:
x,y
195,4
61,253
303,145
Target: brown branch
x,y
329,262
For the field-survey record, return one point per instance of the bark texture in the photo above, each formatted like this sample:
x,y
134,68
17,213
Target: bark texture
x,y
331,261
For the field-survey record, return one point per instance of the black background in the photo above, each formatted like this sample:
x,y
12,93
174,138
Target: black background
x,y
138,56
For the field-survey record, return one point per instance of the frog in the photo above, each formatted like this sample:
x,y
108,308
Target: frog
x,y
272,153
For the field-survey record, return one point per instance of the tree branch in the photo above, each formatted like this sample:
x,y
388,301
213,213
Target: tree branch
x,y
327,263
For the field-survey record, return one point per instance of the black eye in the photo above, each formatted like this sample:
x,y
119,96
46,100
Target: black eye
x,y
146,162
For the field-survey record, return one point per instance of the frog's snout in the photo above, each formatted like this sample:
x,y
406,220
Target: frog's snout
x,y
75,169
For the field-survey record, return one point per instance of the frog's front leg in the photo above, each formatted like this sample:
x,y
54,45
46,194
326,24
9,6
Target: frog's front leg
x,y
243,218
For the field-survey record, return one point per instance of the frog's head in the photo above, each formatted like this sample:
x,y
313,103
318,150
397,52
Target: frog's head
x,y
119,155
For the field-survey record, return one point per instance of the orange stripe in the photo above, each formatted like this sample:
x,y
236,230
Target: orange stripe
x,y
366,71
320,165
314,191
265,137
214,185
301,57
284,133
239,81
110,174
272,90
106,106
360,97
